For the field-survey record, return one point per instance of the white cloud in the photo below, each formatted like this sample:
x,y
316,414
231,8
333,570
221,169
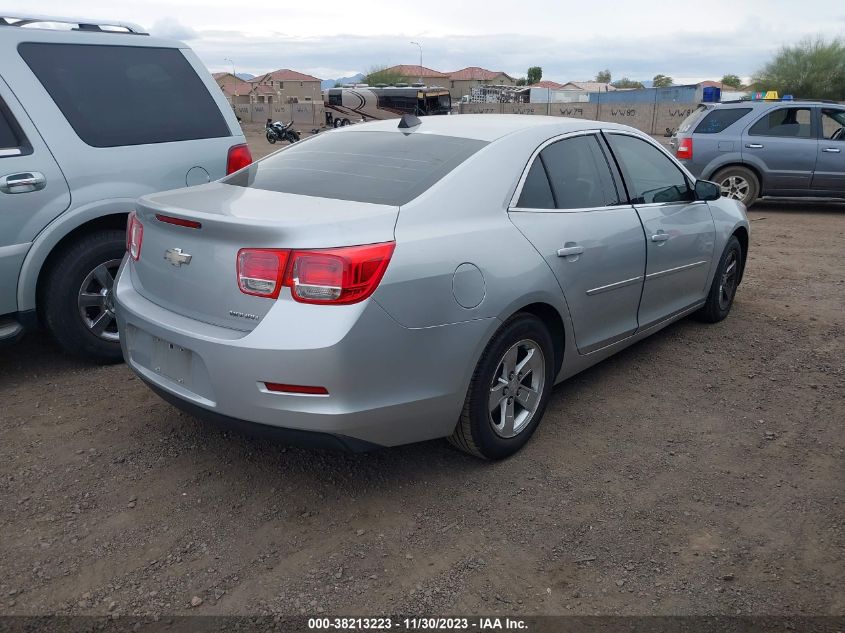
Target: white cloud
x,y
171,28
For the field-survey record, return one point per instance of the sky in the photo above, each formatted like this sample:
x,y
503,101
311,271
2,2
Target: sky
x,y
571,41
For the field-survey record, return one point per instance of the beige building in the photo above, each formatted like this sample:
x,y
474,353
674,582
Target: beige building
x,y
461,82
285,86
235,89
411,74
587,86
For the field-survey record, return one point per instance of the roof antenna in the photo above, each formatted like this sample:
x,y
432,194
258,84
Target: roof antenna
x,y
408,121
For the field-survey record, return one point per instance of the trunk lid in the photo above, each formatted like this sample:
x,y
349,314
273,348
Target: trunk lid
x,y
205,285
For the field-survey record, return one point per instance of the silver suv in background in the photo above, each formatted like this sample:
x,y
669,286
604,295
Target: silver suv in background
x,y
93,116
766,148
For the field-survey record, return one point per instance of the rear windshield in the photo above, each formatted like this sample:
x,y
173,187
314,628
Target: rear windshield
x,y
126,95
377,167
687,123
719,119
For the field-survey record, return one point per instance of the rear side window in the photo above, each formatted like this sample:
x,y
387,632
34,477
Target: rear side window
x,y
719,119
536,191
784,122
651,176
9,139
377,167
579,174
126,95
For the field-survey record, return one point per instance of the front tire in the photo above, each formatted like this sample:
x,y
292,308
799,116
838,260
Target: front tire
x,y
77,299
725,282
738,183
509,390
271,138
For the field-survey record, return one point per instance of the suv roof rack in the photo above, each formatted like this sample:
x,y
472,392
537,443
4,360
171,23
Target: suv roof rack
x,y
80,24
779,100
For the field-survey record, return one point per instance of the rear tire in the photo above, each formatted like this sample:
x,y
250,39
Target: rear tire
x,y
345,122
509,390
77,300
738,183
725,282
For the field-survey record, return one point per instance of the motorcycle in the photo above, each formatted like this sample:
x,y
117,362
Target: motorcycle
x,y
279,131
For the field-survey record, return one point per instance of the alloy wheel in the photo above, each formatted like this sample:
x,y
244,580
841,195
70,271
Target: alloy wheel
x,y
735,187
728,281
95,302
516,388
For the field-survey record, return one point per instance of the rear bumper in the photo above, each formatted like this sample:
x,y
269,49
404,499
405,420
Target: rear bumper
x,y
387,384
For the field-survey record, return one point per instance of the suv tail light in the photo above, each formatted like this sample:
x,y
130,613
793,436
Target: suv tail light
x,y
134,235
336,276
238,158
260,271
684,150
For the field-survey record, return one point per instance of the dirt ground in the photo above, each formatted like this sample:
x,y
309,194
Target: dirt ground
x,y
699,472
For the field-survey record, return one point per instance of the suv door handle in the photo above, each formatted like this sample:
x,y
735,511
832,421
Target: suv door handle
x,y
754,145
569,249
831,150
24,182
660,236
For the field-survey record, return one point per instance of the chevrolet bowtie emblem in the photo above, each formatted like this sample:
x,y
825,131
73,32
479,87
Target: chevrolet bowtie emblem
x,y
176,257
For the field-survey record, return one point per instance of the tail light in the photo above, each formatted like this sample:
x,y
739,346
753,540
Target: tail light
x,y
134,236
238,158
260,271
336,276
684,150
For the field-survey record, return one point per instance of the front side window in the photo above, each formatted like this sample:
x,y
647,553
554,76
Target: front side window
x,y
785,122
126,95
833,124
650,175
376,167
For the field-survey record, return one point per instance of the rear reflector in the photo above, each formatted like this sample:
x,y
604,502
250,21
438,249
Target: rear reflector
x,y
191,224
260,271
281,388
238,158
684,150
334,276
134,236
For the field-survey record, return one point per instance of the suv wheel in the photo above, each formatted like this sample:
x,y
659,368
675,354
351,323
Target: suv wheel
x,y
738,183
77,300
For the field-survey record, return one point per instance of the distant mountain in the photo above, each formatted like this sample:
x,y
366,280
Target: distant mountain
x,y
354,79
245,76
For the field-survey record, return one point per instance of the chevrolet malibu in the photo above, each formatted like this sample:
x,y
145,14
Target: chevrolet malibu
x,y
394,282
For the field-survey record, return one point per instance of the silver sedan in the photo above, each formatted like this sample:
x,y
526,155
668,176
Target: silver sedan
x,y
401,281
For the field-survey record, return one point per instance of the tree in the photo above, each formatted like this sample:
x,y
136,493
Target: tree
x,y
811,69
535,74
662,81
732,81
522,81
626,83
603,77
383,75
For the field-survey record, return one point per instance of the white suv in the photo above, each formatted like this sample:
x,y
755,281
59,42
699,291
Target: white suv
x,y
92,116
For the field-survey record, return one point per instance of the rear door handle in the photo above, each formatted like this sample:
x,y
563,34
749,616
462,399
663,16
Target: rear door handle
x,y
754,145
24,182
831,150
660,236
570,249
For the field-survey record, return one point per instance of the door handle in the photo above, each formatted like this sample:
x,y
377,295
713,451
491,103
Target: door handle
x,y
831,150
660,236
24,182
754,145
568,250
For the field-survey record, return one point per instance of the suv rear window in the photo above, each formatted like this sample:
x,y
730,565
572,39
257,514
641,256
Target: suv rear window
x,y
126,95
376,167
687,123
719,119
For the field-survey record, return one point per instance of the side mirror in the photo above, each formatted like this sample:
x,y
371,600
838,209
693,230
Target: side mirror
x,y
706,190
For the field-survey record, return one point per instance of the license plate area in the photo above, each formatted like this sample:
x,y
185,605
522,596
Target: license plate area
x,y
172,361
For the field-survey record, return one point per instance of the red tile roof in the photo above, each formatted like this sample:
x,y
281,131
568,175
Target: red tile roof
x,y
284,74
410,71
475,73
553,85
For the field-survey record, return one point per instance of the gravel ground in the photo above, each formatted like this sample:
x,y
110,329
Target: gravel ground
x,y
698,472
